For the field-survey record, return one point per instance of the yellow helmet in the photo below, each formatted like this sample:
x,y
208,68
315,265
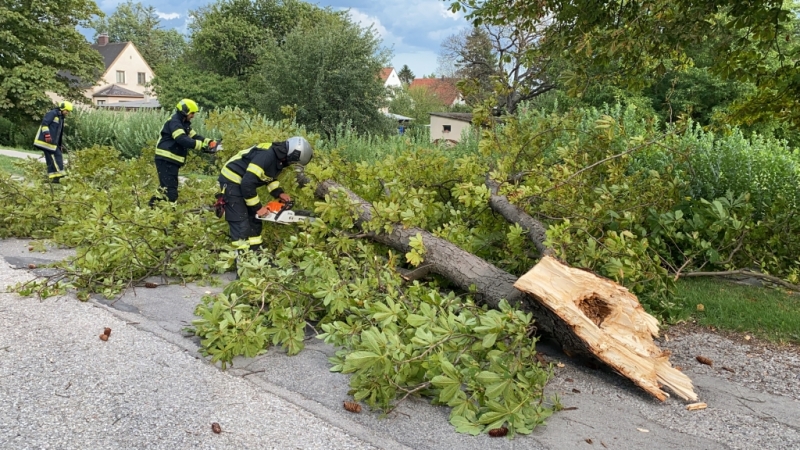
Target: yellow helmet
x,y
187,107
65,106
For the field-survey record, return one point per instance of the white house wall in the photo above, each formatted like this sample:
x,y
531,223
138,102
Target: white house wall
x,y
131,62
393,80
456,128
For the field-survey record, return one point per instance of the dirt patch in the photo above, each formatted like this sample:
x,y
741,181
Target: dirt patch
x,y
755,343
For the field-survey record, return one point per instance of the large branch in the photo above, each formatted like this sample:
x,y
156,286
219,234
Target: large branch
x,y
535,230
587,314
463,269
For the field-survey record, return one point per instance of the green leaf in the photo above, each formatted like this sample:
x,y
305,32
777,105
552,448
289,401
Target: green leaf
x,y
487,378
359,360
489,339
465,426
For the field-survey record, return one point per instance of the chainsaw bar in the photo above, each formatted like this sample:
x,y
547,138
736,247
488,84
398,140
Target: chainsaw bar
x,y
286,216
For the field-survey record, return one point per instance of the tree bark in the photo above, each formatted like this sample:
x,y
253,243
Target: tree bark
x,y
533,228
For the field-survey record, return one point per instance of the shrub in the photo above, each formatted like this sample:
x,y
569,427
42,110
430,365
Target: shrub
x,y
127,131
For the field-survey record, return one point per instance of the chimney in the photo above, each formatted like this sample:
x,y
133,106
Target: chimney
x,y
102,39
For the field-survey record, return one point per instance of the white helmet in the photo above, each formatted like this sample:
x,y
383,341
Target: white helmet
x,y
298,150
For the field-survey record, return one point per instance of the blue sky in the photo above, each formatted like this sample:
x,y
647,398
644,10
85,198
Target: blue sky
x,y
412,29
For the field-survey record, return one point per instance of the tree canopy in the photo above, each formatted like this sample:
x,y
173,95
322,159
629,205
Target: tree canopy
x,y
266,55
42,52
635,43
229,36
328,72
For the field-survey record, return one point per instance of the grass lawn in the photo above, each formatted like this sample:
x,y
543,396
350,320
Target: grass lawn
x,y
7,166
771,314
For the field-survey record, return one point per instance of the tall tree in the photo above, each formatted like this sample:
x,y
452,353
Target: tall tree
x,y
42,51
470,57
406,75
229,36
141,25
328,73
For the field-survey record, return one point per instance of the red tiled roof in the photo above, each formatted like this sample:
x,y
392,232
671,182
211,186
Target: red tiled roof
x,y
385,72
444,88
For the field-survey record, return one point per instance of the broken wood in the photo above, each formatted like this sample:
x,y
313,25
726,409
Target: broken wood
x,y
632,353
610,321
460,267
696,406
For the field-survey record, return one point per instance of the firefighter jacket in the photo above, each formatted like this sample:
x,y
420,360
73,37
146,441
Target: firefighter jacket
x,y
53,123
255,167
177,138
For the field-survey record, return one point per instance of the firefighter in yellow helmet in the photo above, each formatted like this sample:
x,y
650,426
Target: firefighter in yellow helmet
x,y
177,138
50,138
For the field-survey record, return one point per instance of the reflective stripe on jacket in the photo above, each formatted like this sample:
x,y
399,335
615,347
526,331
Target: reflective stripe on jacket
x,y
53,123
177,138
252,168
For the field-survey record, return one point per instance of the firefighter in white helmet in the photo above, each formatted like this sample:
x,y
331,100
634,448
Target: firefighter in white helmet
x,y
246,171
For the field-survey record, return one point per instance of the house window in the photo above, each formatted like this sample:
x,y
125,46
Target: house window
x,y
141,78
101,102
121,76
445,128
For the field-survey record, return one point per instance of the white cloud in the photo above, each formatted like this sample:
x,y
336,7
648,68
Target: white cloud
x,y
446,13
366,21
168,16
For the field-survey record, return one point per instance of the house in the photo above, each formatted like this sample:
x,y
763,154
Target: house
x,y
123,81
390,78
391,82
444,88
125,76
447,127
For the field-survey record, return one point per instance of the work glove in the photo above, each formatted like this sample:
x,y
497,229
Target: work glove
x,y
47,138
210,145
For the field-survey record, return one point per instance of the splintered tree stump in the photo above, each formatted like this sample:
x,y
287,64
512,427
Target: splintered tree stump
x,y
611,323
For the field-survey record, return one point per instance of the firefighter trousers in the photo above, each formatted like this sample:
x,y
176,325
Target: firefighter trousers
x,y
245,229
167,181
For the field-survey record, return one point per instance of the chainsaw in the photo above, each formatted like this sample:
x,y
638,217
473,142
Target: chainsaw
x,y
280,212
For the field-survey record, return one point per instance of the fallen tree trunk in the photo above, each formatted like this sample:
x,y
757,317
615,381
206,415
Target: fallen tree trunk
x,y
493,284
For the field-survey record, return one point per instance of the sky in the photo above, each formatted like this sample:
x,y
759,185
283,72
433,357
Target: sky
x,y
412,29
